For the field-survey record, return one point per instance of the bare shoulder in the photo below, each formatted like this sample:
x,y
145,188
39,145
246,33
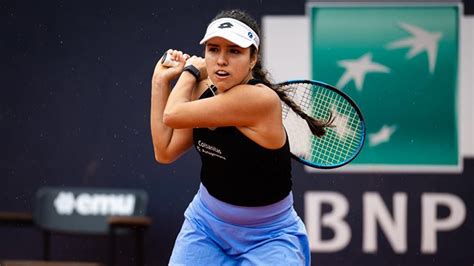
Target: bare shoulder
x,y
259,93
264,107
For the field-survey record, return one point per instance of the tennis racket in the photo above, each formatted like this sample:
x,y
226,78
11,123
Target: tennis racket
x,y
342,141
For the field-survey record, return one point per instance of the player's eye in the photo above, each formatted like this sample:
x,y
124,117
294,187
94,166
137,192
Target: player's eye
x,y
212,49
235,51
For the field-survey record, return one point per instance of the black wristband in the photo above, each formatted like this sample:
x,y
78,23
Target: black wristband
x,y
194,71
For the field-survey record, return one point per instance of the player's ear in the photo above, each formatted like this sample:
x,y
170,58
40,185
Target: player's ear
x,y
253,60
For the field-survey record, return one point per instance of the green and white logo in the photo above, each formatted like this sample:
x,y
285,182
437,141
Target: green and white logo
x,y
400,64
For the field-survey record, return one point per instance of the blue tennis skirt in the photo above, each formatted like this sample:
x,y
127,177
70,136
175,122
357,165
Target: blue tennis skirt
x,y
218,233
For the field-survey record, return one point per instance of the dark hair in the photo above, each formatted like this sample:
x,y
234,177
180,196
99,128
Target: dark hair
x,y
317,126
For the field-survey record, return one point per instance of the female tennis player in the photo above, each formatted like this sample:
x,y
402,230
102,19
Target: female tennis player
x,y
224,104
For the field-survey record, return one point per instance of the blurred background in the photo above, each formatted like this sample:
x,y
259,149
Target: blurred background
x,y
74,112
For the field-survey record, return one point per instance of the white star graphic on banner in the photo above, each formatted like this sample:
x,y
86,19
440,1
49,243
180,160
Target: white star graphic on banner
x,y
341,124
383,135
357,69
421,40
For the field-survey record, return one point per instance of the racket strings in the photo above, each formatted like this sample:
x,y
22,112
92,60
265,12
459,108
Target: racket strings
x,y
340,141
301,97
331,147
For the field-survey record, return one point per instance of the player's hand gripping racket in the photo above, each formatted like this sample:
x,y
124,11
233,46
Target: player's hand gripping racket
x,y
167,61
341,143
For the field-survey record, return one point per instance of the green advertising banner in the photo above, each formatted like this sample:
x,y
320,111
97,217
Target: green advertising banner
x,y
400,64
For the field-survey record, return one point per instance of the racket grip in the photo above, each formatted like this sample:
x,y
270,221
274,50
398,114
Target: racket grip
x,y
167,61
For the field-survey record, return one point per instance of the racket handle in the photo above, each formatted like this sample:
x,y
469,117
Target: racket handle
x,y
167,61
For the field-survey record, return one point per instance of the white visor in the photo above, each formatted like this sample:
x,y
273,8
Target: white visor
x,y
232,30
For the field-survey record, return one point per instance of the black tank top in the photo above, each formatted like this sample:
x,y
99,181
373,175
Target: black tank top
x,y
237,170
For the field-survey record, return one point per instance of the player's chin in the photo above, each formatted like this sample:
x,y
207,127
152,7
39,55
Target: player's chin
x,y
224,83
222,86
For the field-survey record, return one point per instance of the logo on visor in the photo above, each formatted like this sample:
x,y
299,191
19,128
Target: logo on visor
x,y
225,25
